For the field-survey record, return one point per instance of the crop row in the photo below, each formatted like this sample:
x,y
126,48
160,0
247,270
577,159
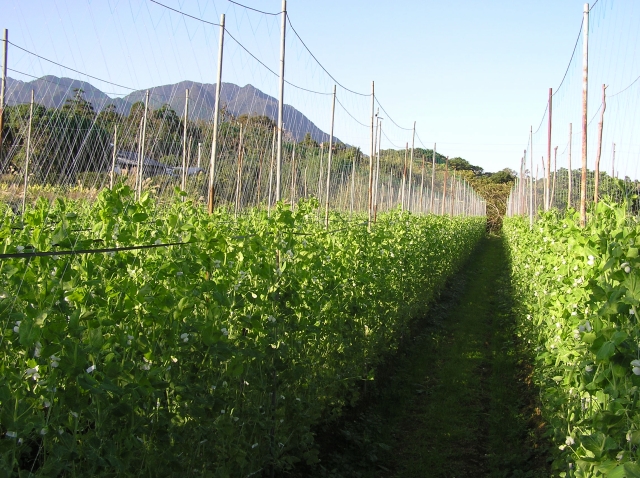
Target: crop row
x,y
579,293
215,356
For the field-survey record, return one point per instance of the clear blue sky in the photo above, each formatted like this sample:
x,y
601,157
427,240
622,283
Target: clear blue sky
x,y
473,75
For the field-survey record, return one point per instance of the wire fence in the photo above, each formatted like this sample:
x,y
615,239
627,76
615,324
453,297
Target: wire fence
x,y
585,147
64,137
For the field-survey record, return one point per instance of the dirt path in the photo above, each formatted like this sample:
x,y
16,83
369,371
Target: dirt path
x,y
454,402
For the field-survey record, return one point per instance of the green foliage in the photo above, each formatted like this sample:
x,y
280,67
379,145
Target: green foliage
x,y
579,290
215,357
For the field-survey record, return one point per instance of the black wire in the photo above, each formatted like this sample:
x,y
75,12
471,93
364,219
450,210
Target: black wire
x,y
389,117
86,251
542,120
53,82
318,62
68,68
625,89
572,55
185,14
254,9
353,117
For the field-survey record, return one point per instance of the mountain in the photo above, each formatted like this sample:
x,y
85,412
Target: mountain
x,y
52,92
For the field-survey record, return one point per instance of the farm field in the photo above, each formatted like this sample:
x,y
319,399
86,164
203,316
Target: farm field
x,y
216,348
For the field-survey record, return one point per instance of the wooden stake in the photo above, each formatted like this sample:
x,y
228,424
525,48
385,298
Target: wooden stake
x,y
433,179
239,174
553,185
283,30
183,185
444,192
273,154
370,202
570,172
547,194
3,85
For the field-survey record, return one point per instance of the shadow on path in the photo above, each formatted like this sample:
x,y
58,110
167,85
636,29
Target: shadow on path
x,y
454,402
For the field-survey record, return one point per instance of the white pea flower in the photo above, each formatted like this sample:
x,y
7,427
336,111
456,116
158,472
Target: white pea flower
x,y
591,258
43,431
224,331
145,366
632,311
574,313
290,254
91,369
587,326
38,349
589,368
179,273
11,434
31,371
19,248
47,404
627,269
158,242
562,447
185,337
570,441
576,334
558,325
254,445
213,387
74,414
271,318
222,412
619,456
216,263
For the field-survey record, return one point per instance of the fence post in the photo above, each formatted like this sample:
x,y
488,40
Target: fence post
x,y
353,182
216,118
585,86
433,178
333,114
294,176
377,174
3,85
553,185
547,194
569,166
239,173
444,192
183,184
370,202
281,102
599,150
114,154
273,154
142,145
26,164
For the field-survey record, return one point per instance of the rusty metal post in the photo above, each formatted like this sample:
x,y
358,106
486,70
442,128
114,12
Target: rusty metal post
x,y
216,118
585,86
599,150
553,184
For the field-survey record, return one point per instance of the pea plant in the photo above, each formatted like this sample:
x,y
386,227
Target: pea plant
x,y
579,293
215,350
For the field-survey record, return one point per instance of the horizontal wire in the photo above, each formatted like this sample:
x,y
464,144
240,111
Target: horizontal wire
x,y
74,70
254,9
56,83
185,14
318,62
389,117
353,117
625,89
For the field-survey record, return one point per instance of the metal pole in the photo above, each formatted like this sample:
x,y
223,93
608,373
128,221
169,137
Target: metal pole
x,y
5,47
413,140
569,166
599,150
114,155
281,103
531,183
333,114
293,177
353,181
585,84
375,209
404,174
547,194
433,177
142,148
26,164
216,118
444,192
183,186
373,101
239,173
553,185
273,154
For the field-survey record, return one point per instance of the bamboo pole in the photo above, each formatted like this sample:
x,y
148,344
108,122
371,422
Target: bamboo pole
x,y
283,31
370,202
239,174
273,154
433,179
570,185
183,184
3,85
333,115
